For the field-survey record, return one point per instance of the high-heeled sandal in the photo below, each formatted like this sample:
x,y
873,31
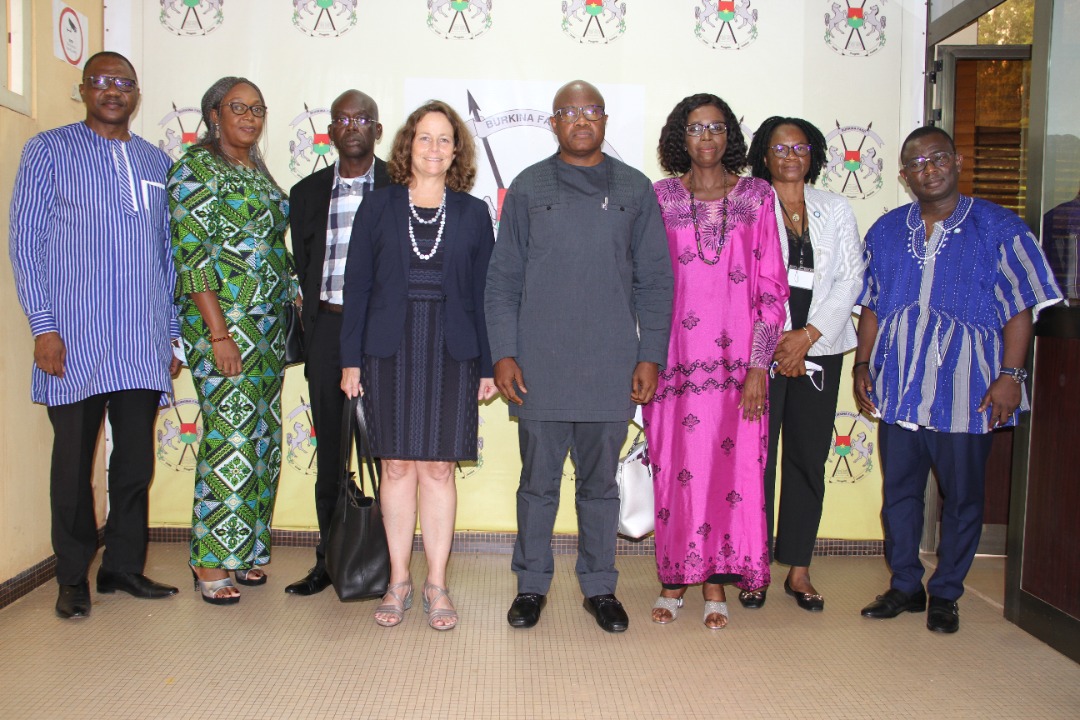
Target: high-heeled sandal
x,y
715,607
439,613
670,604
397,613
244,577
209,589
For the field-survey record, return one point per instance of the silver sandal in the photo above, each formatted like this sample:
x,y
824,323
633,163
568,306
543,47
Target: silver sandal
x,y
715,607
209,590
397,613
439,613
670,604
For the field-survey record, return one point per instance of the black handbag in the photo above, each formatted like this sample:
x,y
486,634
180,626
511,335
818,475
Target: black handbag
x,y
357,556
294,334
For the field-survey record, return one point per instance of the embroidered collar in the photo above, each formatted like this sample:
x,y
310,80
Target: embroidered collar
x,y
919,246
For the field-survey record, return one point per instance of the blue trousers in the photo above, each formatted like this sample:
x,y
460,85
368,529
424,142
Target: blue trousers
x,y
594,449
960,462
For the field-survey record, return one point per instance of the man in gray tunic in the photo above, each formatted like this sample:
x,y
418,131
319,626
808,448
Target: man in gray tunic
x,y
578,312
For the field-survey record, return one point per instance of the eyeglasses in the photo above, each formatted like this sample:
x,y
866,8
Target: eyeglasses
x,y
360,121
240,108
940,159
782,151
697,129
100,82
592,113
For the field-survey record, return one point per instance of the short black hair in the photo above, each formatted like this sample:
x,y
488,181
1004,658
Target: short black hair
x,y
760,146
114,56
675,159
924,131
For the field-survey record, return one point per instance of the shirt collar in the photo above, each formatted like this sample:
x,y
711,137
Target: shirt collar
x,y
356,184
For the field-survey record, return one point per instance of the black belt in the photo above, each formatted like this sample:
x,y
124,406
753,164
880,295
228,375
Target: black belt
x,y
330,307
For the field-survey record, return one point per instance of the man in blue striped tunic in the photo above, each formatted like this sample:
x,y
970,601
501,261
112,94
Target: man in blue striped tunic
x,y
94,275
948,300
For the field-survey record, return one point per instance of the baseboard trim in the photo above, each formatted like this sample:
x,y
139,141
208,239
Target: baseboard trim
x,y
491,543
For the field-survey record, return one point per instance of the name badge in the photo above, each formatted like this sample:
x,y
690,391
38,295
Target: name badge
x,y
800,278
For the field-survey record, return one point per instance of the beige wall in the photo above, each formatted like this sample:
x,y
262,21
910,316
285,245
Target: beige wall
x,y
25,433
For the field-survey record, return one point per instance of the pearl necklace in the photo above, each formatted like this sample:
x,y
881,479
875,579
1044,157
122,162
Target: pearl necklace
x,y
440,217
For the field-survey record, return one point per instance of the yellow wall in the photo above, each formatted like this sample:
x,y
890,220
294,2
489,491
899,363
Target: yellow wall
x,y
25,433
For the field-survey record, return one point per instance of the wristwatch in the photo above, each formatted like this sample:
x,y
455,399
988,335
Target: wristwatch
x,y
1017,374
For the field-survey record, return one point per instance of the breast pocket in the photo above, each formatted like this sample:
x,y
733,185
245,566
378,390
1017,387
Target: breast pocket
x,y
155,202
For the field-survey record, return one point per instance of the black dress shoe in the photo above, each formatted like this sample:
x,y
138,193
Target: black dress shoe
x,y
135,584
753,599
525,610
807,601
895,602
943,616
609,613
74,600
314,582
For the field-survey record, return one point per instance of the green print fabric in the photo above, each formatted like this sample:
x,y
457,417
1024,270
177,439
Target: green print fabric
x,y
228,235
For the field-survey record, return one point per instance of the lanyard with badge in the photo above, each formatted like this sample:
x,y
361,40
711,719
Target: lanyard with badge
x,y
800,274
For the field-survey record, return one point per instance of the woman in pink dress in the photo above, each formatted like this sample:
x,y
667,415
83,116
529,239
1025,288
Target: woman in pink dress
x,y
708,425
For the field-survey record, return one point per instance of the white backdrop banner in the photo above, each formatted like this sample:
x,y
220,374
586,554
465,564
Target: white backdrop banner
x,y
849,69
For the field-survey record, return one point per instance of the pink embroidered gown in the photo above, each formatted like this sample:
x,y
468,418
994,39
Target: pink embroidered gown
x,y
708,462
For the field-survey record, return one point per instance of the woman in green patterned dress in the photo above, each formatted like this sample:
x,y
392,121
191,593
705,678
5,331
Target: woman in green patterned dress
x,y
228,220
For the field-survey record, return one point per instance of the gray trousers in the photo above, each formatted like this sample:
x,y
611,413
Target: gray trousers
x,y
594,449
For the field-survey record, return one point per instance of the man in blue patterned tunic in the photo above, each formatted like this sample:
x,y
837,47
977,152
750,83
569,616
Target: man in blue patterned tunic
x,y
948,300
90,249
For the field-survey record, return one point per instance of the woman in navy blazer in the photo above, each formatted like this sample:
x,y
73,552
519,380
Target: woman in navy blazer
x,y
414,332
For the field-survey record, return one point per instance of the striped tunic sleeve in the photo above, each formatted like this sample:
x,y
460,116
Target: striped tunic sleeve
x,y
1024,278
31,217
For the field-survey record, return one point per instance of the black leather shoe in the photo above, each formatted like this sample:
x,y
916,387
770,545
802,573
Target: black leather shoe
x,y
943,616
314,582
74,600
895,602
525,610
807,601
753,599
609,613
135,584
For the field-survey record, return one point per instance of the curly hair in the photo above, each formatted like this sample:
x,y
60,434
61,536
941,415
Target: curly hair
x,y
675,159
211,139
763,137
462,173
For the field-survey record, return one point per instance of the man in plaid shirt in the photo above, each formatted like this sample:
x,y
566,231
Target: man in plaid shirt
x,y
322,209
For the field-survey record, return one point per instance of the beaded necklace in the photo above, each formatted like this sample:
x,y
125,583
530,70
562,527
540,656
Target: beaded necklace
x,y
723,221
440,217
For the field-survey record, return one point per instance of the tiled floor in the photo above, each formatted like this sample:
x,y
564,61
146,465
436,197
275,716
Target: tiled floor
x,y
278,656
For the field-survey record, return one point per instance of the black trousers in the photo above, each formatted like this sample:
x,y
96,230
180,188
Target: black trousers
x,y
323,371
803,409
131,468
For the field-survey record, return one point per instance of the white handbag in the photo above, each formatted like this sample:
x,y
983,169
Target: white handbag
x,y
636,505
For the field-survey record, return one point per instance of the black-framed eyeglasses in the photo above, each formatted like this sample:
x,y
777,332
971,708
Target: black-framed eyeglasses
x,y
359,122
782,151
100,82
239,108
592,113
698,129
940,159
